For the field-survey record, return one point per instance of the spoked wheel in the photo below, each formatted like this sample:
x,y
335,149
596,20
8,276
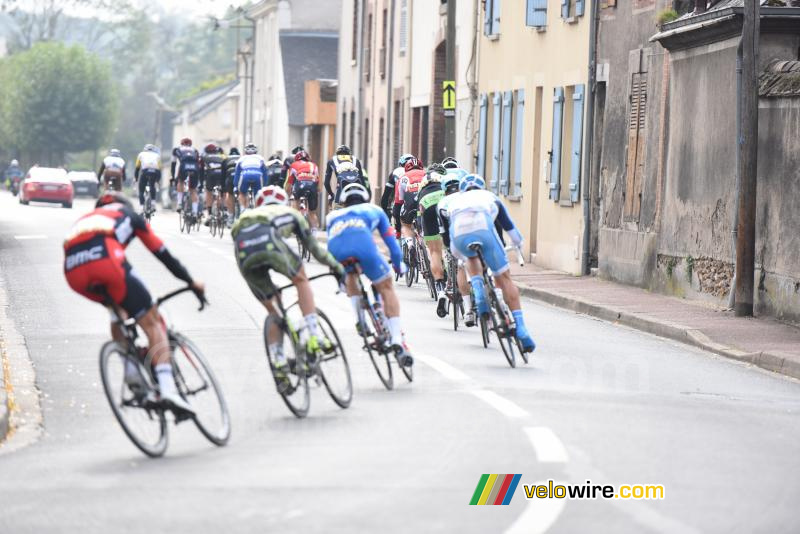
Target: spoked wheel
x,y
484,321
138,415
374,345
294,389
212,224
457,304
182,220
223,222
502,328
199,387
333,367
429,274
412,266
408,371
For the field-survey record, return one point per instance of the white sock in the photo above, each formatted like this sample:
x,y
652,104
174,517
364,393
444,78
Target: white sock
x,y
468,300
166,382
311,324
276,349
194,207
356,303
180,198
395,330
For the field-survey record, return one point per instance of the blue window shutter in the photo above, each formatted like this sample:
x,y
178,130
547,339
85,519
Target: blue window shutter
x,y
518,149
536,13
577,142
555,155
529,13
496,142
505,174
579,7
495,17
564,9
482,137
487,17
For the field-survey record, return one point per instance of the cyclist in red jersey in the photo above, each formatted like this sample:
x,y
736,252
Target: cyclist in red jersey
x,y
406,192
302,180
95,267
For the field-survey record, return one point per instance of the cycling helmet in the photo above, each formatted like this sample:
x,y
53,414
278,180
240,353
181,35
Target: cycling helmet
x,y
297,149
272,194
472,181
234,151
354,194
412,163
115,152
403,159
450,163
211,148
250,149
150,148
186,142
113,197
343,150
276,156
302,155
450,184
14,163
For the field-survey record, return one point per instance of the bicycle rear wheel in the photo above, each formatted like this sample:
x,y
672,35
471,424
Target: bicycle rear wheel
x,y
484,331
199,387
333,368
138,415
295,391
408,371
412,266
375,347
501,327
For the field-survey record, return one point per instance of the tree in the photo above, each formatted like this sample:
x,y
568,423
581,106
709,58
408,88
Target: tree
x,y
55,99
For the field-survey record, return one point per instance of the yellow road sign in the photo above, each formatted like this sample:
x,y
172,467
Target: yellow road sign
x,y
449,94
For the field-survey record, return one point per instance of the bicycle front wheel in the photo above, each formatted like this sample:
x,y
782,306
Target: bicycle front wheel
x,y
141,420
333,367
198,385
291,383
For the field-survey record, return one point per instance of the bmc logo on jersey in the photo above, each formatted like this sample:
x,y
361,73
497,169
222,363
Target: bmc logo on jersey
x,y
84,256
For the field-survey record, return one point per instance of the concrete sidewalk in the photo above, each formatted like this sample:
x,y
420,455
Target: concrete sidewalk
x,y
763,342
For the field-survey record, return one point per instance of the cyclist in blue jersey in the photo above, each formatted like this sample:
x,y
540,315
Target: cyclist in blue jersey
x,y
250,175
470,218
350,237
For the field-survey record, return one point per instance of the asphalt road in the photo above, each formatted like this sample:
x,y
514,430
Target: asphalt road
x,y
597,402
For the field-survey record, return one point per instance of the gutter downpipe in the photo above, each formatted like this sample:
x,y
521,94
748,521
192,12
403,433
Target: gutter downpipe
x,y
587,156
388,129
249,125
738,186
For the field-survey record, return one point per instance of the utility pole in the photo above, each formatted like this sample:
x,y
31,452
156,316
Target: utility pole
x,y
746,239
450,72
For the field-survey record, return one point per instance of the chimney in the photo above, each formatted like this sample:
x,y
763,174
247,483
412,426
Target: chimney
x,y
699,6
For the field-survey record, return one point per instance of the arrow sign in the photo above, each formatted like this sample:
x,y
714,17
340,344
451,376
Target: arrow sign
x,y
449,95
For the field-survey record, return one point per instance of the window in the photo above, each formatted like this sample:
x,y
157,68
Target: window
x,y
419,132
572,8
491,19
567,148
403,44
536,13
636,146
497,100
555,147
368,50
383,44
354,52
519,128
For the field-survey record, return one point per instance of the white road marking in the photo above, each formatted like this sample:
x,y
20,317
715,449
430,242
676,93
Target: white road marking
x,y
499,403
538,517
443,368
548,447
30,236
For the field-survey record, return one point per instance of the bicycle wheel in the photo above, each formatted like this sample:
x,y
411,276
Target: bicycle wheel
x,y
199,387
333,368
501,327
408,371
484,331
212,221
141,419
521,349
295,393
375,347
457,307
412,266
182,219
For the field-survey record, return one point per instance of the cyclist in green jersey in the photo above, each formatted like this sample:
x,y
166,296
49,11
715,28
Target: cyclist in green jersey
x,y
428,198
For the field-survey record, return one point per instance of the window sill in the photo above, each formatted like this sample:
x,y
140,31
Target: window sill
x,y
514,198
565,203
494,37
571,20
540,29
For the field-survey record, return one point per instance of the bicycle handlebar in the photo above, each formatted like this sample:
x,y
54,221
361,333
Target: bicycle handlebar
x,y
162,299
520,259
310,278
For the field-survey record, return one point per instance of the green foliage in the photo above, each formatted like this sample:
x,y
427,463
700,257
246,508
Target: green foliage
x,y
672,262
667,15
55,99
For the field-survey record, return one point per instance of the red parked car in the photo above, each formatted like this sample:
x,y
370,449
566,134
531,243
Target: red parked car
x,y
44,184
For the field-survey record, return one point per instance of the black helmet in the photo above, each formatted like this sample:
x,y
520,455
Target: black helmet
x,y
343,150
234,151
297,149
113,197
450,163
250,149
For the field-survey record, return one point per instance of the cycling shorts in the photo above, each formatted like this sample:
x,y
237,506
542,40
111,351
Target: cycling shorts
x,y
408,213
469,228
259,250
193,178
248,182
309,190
429,206
213,180
359,245
98,265
396,210
228,187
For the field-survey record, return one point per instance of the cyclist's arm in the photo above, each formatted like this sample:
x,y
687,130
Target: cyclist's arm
x,y
444,226
505,222
387,233
101,171
328,174
137,169
287,185
388,195
156,246
317,250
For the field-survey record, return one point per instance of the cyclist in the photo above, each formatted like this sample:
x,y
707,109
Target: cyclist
x,y
13,176
112,170
470,218
96,267
147,172
428,199
347,170
303,182
287,163
275,175
392,209
350,236
213,174
186,169
452,166
250,175
230,170
406,193
260,237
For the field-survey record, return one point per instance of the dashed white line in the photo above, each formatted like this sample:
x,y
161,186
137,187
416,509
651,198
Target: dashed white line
x,y
501,404
30,236
444,368
548,447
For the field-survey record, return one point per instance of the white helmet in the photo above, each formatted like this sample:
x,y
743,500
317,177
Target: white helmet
x,y
14,163
272,194
354,194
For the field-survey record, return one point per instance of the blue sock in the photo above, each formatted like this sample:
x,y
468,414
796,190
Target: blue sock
x,y
480,297
519,320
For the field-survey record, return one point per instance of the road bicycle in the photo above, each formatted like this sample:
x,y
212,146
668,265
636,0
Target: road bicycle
x,y
187,219
218,219
455,299
148,208
499,319
375,332
135,402
305,253
318,367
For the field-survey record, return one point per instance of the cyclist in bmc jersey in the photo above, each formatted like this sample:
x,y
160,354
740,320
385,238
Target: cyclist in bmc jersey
x,y
148,171
95,267
260,237
251,174
347,170
186,169
350,238
303,182
470,218
428,200
112,171
392,182
213,174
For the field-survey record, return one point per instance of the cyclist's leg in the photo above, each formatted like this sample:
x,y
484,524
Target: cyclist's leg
x,y
180,188
312,195
142,186
343,247
192,178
